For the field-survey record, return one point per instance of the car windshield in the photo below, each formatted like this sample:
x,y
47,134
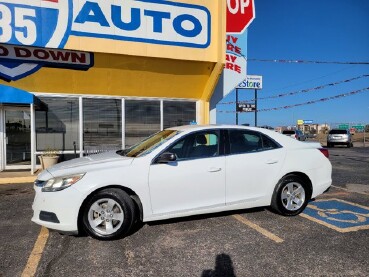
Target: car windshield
x,y
337,132
149,144
288,132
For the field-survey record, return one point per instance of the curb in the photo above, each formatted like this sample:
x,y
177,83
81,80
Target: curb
x,y
17,180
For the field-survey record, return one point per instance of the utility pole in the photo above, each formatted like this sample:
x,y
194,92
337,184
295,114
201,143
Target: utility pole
x,y
256,108
236,106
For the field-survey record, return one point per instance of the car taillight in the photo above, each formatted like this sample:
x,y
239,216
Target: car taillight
x,y
295,136
324,151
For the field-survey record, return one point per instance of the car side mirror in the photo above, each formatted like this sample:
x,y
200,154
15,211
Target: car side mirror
x,y
166,157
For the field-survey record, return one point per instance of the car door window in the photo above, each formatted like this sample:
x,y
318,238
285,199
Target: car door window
x,y
244,141
196,145
268,143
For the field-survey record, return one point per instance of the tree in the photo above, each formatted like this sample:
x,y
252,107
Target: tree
x,y
324,130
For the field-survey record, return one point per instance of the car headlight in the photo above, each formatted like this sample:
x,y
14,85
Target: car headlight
x,y
60,183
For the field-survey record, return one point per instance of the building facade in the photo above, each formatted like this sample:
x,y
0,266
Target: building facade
x,y
79,75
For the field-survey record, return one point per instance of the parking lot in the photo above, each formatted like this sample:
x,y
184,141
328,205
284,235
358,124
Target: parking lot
x,y
331,238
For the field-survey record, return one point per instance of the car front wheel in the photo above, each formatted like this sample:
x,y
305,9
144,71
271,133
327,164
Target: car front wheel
x,y
108,214
290,196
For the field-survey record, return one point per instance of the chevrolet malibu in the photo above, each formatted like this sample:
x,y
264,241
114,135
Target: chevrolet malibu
x,y
178,172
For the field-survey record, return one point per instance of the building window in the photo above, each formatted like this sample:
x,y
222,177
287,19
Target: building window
x,y
102,123
57,124
177,113
142,120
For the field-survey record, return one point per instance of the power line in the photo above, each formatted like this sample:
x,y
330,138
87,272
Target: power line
x,y
317,78
294,61
306,61
302,90
309,102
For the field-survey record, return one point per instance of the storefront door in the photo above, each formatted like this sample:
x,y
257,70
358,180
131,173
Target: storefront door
x,y
17,137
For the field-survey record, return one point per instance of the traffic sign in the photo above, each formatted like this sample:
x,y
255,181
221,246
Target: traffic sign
x,y
358,127
240,13
343,126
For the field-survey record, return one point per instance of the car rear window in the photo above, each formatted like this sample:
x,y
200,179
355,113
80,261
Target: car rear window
x,y
288,132
337,132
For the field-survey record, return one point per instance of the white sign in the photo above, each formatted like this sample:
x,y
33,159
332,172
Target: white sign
x,y
236,65
160,22
49,24
252,82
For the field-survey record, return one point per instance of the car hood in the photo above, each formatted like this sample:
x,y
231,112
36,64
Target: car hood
x,y
85,164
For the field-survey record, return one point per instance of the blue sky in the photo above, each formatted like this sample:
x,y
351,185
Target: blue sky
x,y
313,30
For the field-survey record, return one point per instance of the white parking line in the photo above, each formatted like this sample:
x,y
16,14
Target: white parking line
x,y
35,257
256,227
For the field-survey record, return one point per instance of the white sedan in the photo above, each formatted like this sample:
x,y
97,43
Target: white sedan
x,y
178,172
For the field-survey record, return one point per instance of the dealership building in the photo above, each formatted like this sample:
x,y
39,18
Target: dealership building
x,y
77,76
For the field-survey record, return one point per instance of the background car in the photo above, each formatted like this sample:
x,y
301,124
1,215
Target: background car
x,y
178,172
339,137
296,134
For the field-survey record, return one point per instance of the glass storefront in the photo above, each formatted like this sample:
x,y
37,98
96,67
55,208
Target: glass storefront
x,y
76,126
57,124
177,113
102,123
142,120
18,137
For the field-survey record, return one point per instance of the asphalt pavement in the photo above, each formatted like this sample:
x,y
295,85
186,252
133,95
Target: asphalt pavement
x,y
255,242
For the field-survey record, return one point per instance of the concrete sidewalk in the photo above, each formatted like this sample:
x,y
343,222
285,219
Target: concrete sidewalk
x,y
17,177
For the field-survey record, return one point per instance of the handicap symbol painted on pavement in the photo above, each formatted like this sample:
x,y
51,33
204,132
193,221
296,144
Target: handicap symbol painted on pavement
x,y
340,215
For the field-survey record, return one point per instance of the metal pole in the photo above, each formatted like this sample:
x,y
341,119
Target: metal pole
x,y
364,134
236,106
256,108
33,139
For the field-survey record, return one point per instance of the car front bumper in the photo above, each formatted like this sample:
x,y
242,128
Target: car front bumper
x,y
57,210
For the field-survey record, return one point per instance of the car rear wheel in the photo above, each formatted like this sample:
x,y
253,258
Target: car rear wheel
x,y
290,196
108,214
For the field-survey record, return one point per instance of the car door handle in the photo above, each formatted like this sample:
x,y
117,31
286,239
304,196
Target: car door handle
x,y
214,169
272,161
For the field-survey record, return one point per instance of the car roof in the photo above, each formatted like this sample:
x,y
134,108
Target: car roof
x,y
213,126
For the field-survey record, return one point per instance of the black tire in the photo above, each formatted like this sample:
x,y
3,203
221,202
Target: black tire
x,y
329,145
290,181
111,203
348,145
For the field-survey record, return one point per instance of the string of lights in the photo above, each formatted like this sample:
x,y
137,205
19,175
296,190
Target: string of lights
x,y
309,102
307,61
301,91
298,61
